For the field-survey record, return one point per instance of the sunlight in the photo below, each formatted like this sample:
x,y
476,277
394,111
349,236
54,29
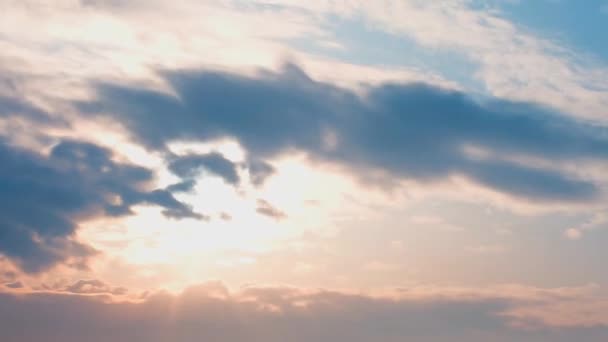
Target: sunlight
x,y
317,197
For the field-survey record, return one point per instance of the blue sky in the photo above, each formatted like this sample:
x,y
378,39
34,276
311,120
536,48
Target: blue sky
x,y
303,170
570,22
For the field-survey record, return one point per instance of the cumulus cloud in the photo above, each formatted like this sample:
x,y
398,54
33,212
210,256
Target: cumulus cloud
x,y
408,131
211,312
44,197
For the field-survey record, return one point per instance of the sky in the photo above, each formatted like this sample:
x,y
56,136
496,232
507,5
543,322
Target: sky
x,y
287,170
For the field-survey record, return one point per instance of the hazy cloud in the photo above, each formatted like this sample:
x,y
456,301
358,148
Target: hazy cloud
x,y
185,186
212,313
12,106
267,209
93,286
14,285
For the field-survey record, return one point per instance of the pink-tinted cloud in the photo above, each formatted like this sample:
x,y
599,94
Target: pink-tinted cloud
x,y
210,312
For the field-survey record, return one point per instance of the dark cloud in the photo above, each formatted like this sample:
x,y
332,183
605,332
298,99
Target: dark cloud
x,y
42,199
185,186
411,131
533,183
212,313
259,171
267,209
214,163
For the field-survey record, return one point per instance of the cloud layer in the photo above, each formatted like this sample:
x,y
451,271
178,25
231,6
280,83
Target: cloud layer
x,y
211,313
407,131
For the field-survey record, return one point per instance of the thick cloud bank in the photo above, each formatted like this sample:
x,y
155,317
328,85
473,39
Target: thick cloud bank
x,y
412,131
211,313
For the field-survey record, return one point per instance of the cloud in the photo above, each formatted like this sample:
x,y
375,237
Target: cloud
x,y
210,312
94,286
185,186
14,285
214,163
267,209
259,171
43,198
598,221
408,131
7,276
509,59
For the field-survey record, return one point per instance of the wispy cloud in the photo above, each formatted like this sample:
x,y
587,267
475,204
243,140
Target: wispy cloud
x,y
265,208
598,221
511,61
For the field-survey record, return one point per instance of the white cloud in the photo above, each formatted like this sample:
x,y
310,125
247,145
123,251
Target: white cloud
x,y
115,40
128,42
